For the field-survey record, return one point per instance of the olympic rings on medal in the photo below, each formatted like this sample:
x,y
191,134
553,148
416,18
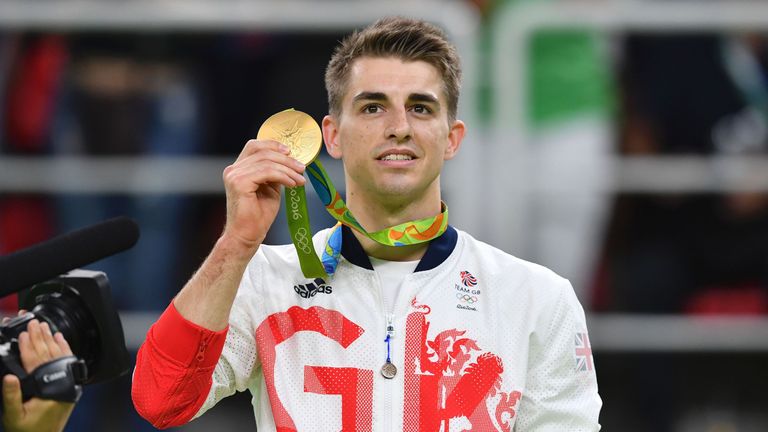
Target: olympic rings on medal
x,y
302,240
466,298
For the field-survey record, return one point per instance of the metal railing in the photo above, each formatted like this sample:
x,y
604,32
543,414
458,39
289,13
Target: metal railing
x,y
459,20
510,150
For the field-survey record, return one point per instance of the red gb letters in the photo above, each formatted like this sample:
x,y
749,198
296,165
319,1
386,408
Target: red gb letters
x,y
441,382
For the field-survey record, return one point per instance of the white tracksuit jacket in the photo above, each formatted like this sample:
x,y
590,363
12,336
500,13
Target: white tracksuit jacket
x,y
483,341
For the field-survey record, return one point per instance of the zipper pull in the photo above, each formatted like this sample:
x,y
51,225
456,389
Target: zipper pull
x,y
201,350
390,326
389,370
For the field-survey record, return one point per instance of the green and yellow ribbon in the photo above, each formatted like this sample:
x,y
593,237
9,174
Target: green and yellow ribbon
x,y
404,234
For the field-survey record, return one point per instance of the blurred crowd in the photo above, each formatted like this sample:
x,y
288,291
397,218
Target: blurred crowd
x,y
706,253
142,95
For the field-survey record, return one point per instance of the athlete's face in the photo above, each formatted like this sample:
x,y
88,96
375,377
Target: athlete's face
x,y
393,133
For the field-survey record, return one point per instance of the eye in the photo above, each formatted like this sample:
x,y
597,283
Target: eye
x,y
421,109
371,109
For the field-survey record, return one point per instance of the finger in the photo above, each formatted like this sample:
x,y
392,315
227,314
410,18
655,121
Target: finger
x,y
288,162
38,342
63,344
264,159
246,179
253,146
256,169
249,181
29,357
20,313
291,169
272,177
12,405
50,342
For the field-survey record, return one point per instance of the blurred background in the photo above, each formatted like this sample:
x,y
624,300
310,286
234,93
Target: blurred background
x,y
621,143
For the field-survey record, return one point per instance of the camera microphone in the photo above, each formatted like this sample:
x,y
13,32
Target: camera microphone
x,y
63,253
78,304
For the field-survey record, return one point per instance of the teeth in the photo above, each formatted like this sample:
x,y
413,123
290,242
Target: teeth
x,y
397,157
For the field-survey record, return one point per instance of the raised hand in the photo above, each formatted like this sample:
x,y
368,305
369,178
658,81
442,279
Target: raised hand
x,y
253,189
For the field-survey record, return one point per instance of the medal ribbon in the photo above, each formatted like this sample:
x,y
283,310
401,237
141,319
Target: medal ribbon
x,y
408,233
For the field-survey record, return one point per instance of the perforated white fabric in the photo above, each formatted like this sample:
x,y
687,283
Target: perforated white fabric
x,y
391,275
484,342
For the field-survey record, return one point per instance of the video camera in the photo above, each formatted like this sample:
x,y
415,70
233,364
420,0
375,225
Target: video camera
x,y
78,304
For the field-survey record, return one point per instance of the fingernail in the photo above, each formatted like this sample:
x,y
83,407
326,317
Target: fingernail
x,y
284,148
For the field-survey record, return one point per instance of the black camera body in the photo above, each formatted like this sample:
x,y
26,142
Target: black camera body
x,y
79,305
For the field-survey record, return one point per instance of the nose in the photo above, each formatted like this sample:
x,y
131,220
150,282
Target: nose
x,y
399,128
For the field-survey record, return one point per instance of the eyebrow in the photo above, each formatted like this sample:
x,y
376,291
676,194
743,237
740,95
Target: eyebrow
x,y
374,96
422,97
379,96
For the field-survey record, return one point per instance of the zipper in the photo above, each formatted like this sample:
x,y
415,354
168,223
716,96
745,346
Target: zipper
x,y
389,370
389,383
188,374
201,350
390,325
389,334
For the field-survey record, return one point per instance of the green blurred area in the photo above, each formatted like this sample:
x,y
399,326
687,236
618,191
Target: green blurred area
x,y
569,74
568,77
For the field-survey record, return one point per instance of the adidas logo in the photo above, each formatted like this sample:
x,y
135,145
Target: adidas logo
x,y
313,288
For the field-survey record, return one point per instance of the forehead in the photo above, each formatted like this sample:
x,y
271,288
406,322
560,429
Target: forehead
x,y
393,76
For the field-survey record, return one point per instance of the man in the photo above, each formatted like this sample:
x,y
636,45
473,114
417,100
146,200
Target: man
x,y
37,346
448,334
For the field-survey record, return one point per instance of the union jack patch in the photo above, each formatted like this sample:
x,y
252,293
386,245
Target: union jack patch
x,y
467,279
584,360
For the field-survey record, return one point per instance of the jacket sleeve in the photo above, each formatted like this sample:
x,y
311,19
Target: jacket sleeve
x,y
561,388
174,366
235,370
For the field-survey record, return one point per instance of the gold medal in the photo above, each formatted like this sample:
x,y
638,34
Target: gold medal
x,y
295,129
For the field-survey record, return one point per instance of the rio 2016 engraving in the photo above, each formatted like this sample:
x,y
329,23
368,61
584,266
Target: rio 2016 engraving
x,y
294,201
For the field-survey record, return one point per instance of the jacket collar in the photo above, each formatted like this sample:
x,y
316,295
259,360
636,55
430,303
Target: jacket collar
x,y
438,250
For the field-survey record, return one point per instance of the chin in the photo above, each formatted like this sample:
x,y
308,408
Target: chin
x,y
393,196
395,190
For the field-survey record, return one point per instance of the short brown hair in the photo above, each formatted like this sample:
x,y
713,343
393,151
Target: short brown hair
x,y
403,38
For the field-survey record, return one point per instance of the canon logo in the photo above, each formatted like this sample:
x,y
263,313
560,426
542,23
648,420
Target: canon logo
x,y
54,376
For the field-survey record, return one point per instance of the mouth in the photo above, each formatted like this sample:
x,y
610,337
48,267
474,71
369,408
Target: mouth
x,y
397,155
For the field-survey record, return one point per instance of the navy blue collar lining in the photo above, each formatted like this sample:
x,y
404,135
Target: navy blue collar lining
x,y
438,251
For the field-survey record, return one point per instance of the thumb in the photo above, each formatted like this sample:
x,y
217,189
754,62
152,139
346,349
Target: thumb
x,y
12,398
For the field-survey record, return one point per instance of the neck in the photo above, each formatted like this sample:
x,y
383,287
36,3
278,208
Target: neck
x,y
374,215
391,253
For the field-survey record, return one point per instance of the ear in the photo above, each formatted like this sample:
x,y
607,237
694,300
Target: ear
x,y
331,136
455,137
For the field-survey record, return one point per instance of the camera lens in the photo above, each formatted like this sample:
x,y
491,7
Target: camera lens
x,y
66,313
79,305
